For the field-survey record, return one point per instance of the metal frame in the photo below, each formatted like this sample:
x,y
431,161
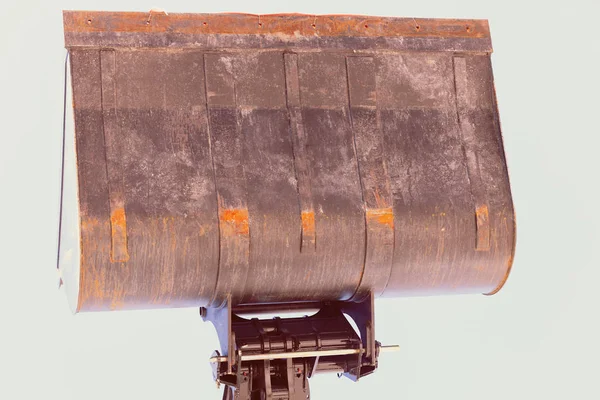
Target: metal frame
x,y
273,358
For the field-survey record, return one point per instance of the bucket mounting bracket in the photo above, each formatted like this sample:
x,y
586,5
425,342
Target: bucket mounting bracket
x,y
273,358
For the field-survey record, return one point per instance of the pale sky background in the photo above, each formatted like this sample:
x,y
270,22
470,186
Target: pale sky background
x,y
539,338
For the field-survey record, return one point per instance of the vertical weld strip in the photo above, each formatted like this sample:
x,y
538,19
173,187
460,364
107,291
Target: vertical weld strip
x,y
212,163
228,158
374,179
308,233
242,222
391,217
362,189
478,192
112,149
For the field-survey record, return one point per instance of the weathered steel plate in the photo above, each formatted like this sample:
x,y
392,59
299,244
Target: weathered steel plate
x,y
282,158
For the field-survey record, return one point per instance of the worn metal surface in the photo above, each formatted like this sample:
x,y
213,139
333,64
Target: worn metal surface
x,y
284,158
289,31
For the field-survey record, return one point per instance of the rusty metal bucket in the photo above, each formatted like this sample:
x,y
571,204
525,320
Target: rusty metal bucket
x,y
280,158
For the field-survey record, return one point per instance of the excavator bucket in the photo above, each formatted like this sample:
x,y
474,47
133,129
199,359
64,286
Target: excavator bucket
x,y
242,162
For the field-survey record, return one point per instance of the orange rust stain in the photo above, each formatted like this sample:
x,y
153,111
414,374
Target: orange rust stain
x,y
89,223
482,213
186,243
117,217
382,216
234,221
275,24
94,243
97,289
118,225
308,223
104,288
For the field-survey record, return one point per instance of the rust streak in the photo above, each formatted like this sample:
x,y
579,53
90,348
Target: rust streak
x,y
382,216
118,226
308,223
234,221
97,290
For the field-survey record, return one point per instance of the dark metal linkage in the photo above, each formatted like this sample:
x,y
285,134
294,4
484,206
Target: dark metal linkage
x,y
273,358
